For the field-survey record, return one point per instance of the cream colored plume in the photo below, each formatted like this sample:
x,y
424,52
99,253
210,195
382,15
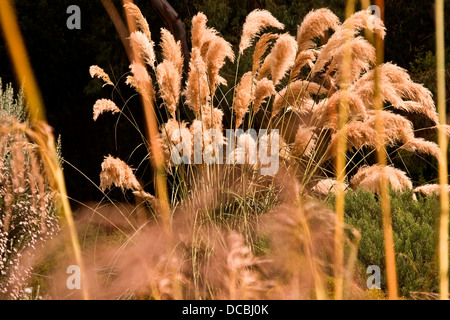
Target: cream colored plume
x,y
328,114
305,140
260,48
172,134
280,59
369,178
255,22
397,130
169,80
143,47
212,118
314,25
348,30
295,94
218,51
303,58
362,58
198,30
397,87
171,50
197,89
244,96
141,22
96,71
117,173
104,105
264,88
325,186
141,81
201,35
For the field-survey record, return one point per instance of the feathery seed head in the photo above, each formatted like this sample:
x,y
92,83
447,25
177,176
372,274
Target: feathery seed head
x,y
104,105
315,24
96,71
254,23
143,47
171,50
141,22
244,96
169,80
117,173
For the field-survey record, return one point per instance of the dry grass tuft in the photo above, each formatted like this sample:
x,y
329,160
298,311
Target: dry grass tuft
x,y
314,25
104,105
254,23
369,178
96,71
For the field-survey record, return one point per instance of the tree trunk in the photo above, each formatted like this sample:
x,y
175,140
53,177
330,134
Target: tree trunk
x,y
175,25
120,26
256,4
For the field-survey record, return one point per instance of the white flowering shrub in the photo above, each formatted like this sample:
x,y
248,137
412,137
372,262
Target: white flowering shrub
x,y
27,211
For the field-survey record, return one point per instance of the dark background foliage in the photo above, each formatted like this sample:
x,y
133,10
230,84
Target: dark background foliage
x,y
61,59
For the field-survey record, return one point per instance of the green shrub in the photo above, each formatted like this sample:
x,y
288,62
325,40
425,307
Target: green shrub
x,y
415,237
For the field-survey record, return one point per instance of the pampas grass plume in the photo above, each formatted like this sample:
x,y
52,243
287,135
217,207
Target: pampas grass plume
x,y
144,47
369,178
104,105
254,23
315,24
96,71
244,96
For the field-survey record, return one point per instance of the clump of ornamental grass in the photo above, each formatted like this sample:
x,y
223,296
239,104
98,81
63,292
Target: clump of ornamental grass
x,y
431,189
294,86
290,255
27,209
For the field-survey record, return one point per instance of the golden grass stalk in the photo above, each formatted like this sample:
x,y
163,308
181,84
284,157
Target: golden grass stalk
x,y
430,189
341,156
41,135
443,145
391,269
152,131
140,21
